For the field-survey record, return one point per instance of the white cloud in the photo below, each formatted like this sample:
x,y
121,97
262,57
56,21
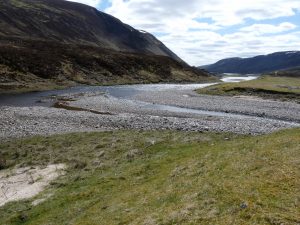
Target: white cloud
x,y
199,48
268,28
194,29
93,3
223,12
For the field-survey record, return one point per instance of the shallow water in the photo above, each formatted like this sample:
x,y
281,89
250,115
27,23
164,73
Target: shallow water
x,y
43,98
236,79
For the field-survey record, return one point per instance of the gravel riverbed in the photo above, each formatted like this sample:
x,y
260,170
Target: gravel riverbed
x,y
287,111
141,113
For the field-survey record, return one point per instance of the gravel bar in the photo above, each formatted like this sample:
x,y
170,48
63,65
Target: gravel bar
x,y
16,122
287,111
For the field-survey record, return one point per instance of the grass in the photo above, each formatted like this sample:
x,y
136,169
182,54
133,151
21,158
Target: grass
x,y
162,177
19,4
283,88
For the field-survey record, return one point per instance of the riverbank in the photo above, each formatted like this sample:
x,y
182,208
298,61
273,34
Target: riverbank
x,y
268,87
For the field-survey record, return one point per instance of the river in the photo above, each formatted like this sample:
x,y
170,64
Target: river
x,y
46,98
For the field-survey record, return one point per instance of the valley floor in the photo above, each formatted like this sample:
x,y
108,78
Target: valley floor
x,y
152,163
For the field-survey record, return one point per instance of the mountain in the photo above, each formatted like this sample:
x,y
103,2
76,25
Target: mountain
x,y
258,64
47,44
74,23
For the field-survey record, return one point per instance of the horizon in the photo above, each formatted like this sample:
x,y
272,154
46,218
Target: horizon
x,y
202,33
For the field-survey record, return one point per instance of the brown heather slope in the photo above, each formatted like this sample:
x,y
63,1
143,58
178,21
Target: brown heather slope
x,y
39,65
50,44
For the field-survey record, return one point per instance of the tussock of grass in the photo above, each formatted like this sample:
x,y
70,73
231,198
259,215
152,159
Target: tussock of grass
x,y
129,177
284,88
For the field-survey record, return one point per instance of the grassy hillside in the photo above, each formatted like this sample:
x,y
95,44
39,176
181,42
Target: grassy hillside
x,y
283,88
129,177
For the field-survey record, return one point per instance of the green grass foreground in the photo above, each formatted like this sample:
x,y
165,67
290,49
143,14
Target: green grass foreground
x,y
162,177
283,88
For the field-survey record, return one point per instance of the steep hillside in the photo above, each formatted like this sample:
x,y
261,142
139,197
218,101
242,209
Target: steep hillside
x,y
74,23
47,44
258,64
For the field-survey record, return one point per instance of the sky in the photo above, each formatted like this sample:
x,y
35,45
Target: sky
x,y
204,31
